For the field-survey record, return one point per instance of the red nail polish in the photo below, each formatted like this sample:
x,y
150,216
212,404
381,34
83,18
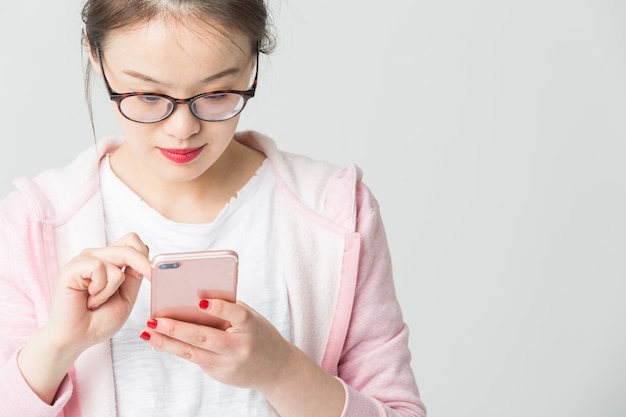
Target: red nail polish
x,y
203,304
152,323
145,336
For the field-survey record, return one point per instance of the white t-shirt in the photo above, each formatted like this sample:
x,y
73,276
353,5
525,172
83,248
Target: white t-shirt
x,y
150,383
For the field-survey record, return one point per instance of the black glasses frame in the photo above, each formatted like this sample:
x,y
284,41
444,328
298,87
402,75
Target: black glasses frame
x,y
118,97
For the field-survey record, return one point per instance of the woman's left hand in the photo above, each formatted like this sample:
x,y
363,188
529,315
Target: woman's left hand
x,y
249,354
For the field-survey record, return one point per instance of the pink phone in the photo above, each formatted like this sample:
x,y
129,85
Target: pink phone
x,y
181,280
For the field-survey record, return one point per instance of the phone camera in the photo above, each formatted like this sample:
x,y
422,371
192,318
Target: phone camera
x,y
169,266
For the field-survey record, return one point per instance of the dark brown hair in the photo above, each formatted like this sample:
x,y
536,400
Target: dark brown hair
x,y
247,17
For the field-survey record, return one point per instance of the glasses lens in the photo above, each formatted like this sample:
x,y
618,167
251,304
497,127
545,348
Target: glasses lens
x,y
146,108
217,107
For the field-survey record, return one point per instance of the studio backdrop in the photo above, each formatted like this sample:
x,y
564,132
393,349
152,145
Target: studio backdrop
x,y
493,134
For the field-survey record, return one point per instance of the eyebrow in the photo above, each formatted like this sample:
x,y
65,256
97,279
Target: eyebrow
x,y
213,77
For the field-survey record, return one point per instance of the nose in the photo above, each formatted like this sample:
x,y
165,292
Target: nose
x,y
182,124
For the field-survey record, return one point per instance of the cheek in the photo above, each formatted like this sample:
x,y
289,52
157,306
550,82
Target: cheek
x,y
135,131
226,128
217,135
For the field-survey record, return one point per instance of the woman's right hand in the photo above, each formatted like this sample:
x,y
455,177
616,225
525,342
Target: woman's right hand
x,y
95,293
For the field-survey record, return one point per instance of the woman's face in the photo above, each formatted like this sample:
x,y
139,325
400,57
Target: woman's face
x,y
180,61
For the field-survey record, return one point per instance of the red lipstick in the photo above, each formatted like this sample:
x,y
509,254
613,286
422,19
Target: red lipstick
x,y
181,156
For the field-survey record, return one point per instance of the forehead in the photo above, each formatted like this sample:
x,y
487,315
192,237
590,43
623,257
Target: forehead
x,y
162,41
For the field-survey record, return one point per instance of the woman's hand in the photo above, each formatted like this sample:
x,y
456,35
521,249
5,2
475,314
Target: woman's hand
x,y
251,354
95,293
244,355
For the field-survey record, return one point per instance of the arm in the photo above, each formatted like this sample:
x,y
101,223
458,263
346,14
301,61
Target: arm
x,y
94,294
375,361
21,304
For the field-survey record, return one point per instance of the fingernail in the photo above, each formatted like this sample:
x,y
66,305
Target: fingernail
x,y
152,323
145,336
203,304
93,308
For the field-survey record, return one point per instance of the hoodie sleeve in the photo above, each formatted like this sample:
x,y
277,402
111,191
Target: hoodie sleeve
x,y
375,363
18,400
20,297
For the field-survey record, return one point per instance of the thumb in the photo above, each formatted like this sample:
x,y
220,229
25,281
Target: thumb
x,y
130,287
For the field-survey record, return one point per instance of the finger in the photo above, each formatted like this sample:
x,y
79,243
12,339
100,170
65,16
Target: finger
x,y
134,241
198,355
103,277
113,279
85,273
205,337
130,287
238,314
123,257
190,341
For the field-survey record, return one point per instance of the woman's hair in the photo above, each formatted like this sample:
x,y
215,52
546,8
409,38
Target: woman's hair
x,y
247,17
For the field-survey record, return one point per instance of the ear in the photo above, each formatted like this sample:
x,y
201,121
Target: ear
x,y
94,58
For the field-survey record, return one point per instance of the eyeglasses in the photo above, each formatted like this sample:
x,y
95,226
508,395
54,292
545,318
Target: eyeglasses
x,y
214,106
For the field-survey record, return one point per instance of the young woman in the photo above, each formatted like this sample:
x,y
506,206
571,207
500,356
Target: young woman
x,y
317,331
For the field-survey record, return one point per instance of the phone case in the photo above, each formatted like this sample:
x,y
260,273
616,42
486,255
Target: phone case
x,y
181,280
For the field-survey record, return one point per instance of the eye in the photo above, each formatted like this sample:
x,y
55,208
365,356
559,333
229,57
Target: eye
x,y
150,99
216,97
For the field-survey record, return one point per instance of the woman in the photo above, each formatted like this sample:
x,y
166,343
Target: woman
x,y
318,331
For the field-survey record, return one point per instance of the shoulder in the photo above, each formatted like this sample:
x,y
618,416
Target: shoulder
x,y
53,195
334,192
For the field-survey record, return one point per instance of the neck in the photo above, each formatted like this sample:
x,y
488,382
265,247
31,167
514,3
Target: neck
x,y
195,201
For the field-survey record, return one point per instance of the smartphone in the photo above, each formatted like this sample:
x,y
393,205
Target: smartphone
x,y
181,280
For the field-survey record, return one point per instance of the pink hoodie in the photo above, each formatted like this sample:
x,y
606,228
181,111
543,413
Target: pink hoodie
x,y
344,308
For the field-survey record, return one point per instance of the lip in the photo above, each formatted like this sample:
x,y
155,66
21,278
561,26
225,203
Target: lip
x,y
181,156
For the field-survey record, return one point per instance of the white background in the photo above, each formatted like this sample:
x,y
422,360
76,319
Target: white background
x,y
493,134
